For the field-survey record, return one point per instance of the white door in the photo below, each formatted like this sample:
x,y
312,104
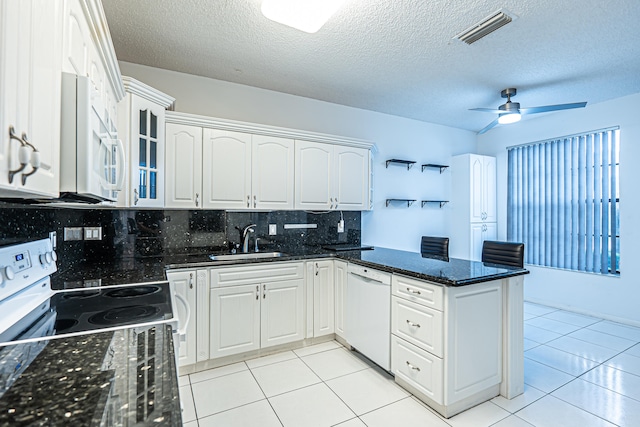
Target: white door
x,y
352,178
183,166
272,176
477,237
489,188
234,320
147,151
183,286
282,312
340,290
313,171
226,169
323,298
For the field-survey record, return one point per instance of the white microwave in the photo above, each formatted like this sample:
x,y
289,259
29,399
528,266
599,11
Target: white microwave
x,y
92,159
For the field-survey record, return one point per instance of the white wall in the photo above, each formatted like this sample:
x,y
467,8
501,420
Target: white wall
x,y
612,297
395,137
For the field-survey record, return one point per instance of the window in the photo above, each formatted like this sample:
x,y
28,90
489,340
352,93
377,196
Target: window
x,y
563,201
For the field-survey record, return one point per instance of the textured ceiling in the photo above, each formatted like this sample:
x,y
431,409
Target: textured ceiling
x,y
396,56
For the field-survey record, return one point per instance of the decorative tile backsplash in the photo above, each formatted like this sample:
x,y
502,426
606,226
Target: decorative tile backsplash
x,y
144,233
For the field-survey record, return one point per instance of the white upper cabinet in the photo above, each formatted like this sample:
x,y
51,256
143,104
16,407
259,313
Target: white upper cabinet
x,y
272,172
226,158
141,123
252,167
30,84
183,187
331,177
244,171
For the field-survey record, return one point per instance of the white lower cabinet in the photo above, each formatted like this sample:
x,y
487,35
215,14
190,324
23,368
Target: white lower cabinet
x,y
255,307
320,286
446,342
183,287
340,290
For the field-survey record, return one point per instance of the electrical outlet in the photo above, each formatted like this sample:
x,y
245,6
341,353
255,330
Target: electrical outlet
x,y
341,226
273,229
72,233
93,233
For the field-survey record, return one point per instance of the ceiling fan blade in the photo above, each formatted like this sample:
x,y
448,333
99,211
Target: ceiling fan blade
x,y
488,127
547,108
487,110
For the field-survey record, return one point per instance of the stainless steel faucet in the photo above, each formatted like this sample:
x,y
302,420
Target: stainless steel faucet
x,y
244,237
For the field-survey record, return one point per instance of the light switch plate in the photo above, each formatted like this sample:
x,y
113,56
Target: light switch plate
x,y
93,233
72,233
273,229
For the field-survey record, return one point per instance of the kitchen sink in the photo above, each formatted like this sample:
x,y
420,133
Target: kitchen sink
x,y
250,255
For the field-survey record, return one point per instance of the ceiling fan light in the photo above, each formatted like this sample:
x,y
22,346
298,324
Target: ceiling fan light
x,y
507,118
304,15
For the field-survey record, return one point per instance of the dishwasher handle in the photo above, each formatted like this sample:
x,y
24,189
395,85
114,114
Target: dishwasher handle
x,y
368,279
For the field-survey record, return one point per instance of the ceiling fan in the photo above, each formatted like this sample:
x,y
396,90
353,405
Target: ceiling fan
x,y
510,112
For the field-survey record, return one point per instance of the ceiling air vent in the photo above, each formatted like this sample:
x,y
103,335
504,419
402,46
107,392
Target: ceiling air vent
x,y
485,27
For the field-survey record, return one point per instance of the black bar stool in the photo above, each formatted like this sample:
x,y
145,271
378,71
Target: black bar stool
x,y
435,246
503,253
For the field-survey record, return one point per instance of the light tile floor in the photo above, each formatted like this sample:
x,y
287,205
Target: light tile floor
x,y
579,371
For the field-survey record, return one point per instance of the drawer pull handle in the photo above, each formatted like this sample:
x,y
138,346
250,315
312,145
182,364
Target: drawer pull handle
x,y
410,323
415,368
411,291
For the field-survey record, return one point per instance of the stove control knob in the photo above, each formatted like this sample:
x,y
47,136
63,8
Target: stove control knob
x,y
54,256
43,259
8,272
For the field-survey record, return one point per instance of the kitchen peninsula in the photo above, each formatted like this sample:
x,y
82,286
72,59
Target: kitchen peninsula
x,y
471,312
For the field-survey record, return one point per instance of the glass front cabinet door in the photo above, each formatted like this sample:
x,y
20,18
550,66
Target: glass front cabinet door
x,y
146,139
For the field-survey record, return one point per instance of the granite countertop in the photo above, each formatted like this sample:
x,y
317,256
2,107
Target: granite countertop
x,y
126,376
448,272
451,272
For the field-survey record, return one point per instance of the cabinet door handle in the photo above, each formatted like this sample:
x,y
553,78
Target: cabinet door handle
x,y
190,280
254,201
316,268
23,154
411,291
135,197
197,199
410,323
264,291
336,203
248,201
258,292
415,368
35,159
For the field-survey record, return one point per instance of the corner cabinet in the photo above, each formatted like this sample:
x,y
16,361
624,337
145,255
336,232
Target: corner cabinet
x,y
141,125
331,177
473,205
31,33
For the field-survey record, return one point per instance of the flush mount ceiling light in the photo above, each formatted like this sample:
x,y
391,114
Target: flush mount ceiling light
x,y
304,15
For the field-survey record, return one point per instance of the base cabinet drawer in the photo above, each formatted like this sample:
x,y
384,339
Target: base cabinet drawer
x,y
418,368
417,324
425,293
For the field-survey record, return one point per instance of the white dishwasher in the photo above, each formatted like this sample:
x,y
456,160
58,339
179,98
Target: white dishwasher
x,y
368,327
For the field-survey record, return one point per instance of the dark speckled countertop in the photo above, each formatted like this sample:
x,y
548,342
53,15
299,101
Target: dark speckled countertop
x,y
451,272
123,377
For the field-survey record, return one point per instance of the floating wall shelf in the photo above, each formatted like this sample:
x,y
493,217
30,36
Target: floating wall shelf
x,y
409,163
409,202
431,165
441,202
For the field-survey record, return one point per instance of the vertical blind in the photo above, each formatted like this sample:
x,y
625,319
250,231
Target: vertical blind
x,y
563,201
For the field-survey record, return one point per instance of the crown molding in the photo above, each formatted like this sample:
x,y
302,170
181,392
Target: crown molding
x,y
100,34
147,92
260,129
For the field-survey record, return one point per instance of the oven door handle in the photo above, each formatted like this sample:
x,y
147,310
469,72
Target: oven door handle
x,y
182,332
